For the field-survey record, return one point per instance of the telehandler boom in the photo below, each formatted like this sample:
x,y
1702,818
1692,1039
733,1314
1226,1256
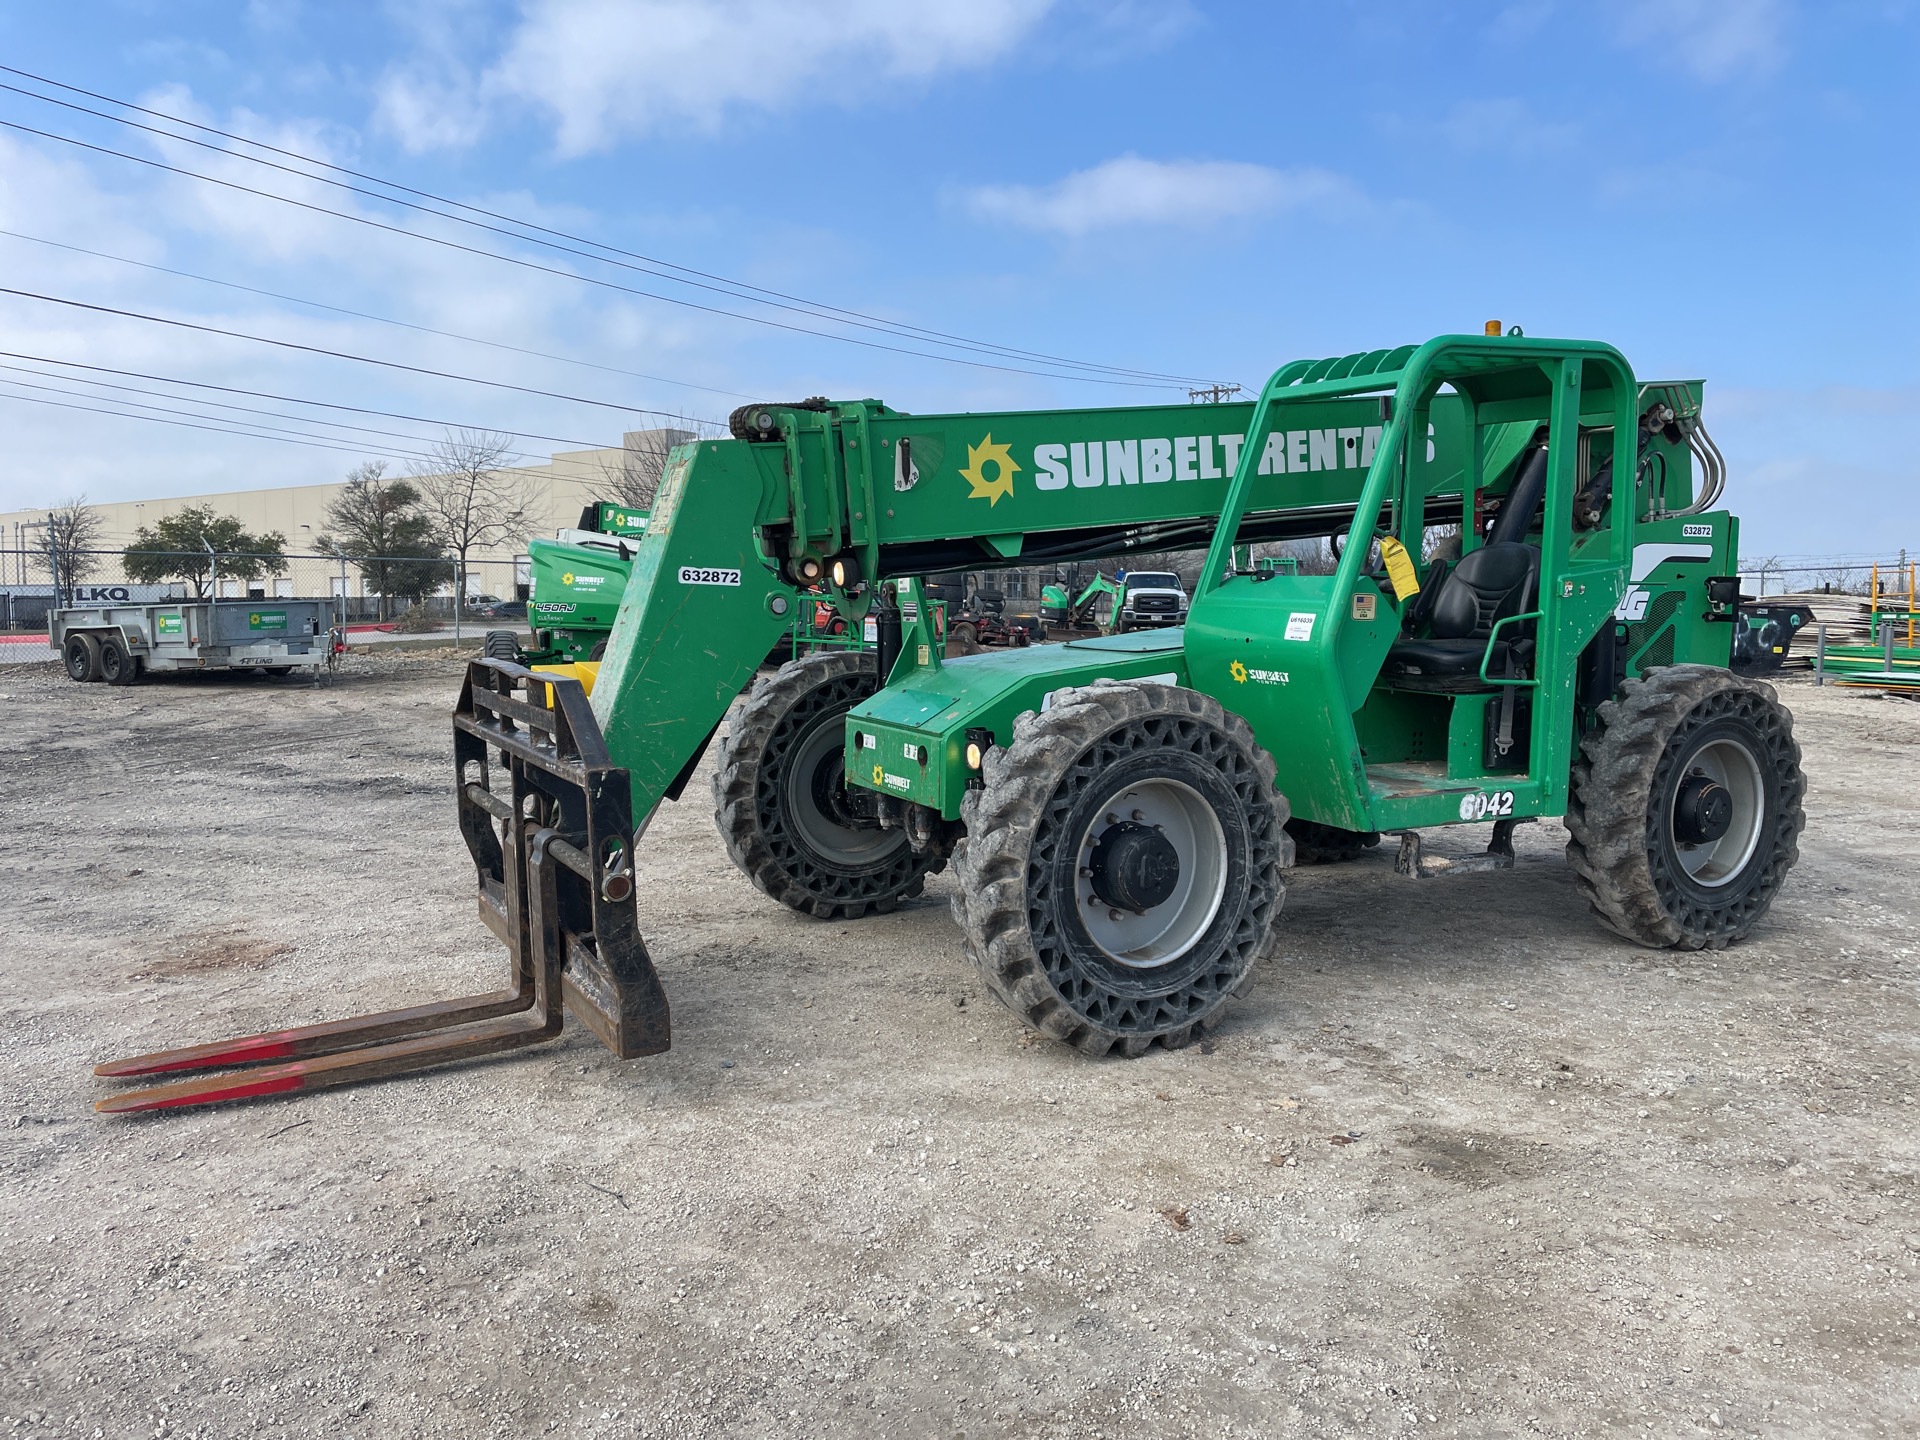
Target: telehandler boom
x,y
1119,811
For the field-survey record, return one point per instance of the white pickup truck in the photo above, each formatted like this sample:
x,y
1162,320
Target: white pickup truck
x,y
1150,598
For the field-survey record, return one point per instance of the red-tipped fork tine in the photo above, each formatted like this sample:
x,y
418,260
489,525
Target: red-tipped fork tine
x,y
326,1039
370,1063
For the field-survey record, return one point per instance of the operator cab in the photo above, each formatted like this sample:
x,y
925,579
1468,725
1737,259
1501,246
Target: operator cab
x,y
1450,624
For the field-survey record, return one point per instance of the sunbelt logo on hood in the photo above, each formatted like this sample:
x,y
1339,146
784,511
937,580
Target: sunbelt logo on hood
x,y
1175,459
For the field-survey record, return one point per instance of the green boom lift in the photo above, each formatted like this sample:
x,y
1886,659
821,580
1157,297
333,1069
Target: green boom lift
x,y
1119,812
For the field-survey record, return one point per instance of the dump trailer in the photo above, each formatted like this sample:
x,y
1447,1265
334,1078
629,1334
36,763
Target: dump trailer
x,y
120,643
1119,813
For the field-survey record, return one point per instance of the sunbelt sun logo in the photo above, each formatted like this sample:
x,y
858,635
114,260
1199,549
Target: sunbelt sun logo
x,y
976,474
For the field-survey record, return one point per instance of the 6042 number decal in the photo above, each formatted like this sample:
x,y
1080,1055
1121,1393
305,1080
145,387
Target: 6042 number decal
x,y
1495,806
701,575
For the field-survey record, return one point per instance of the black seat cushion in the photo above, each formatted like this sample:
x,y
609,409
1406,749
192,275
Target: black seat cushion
x,y
1452,665
1487,586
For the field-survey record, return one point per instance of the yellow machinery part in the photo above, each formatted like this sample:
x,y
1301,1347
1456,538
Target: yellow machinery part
x,y
585,671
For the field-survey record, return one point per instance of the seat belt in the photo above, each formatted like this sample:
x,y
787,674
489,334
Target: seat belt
x,y
1503,738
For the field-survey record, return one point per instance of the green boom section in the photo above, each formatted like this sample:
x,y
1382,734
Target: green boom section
x,y
702,608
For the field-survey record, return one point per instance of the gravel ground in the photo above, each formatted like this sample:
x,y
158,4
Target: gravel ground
x,y
1463,1164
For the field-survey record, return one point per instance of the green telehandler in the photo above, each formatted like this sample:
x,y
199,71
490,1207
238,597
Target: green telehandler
x,y
1119,812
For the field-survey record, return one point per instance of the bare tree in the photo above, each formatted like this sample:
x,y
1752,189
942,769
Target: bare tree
x,y
475,502
377,523
72,532
632,474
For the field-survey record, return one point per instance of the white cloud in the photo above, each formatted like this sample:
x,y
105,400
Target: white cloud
x,y
1131,191
607,69
1715,40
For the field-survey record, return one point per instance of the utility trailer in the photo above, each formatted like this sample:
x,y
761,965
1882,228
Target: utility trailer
x,y
1120,813
119,643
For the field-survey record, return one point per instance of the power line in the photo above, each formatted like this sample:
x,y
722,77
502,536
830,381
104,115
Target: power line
x,y
366,315
218,405
183,424
723,284
344,355
297,399
554,270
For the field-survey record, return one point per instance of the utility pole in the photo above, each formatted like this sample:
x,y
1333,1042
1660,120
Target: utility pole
x,y
1213,394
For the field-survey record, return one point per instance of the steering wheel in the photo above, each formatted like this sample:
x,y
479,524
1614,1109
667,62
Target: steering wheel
x,y
1337,543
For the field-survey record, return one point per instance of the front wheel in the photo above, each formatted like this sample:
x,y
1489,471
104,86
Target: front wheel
x,y
784,808
1121,872
1686,808
81,655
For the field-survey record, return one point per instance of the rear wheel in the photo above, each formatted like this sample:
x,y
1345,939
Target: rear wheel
x,y
1121,872
500,645
1686,808
81,654
117,666
1315,844
783,805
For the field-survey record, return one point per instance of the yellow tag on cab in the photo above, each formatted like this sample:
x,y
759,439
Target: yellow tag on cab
x,y
1400,572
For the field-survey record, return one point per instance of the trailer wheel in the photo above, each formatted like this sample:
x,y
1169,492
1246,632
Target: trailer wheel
x,y
783,805
117,667
1121,872
82,656
1686,808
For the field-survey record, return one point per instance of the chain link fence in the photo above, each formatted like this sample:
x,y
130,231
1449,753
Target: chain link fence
x,y
407,592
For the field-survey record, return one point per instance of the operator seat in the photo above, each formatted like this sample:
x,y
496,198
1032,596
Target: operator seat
x,y
1485,587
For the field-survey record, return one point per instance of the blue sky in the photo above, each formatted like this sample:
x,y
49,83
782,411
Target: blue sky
x,y
1724,190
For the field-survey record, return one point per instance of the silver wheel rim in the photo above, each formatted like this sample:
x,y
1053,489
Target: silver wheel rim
x,y
1170,929
1731,765
835,843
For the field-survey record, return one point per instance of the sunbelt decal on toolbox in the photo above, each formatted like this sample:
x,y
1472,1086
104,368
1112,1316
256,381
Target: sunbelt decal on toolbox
x,y
1243,673
891,782
584,581
703,575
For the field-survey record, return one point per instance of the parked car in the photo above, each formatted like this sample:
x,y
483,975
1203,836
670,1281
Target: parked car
x,y
503,610
479,604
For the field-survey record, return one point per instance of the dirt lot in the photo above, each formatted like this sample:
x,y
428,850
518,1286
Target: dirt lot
x,y
1463,1165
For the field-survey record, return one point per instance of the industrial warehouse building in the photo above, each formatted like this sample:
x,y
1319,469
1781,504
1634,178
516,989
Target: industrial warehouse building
x,y
555,494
